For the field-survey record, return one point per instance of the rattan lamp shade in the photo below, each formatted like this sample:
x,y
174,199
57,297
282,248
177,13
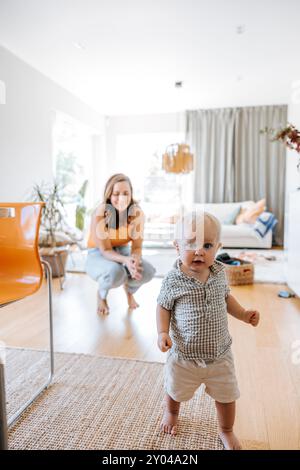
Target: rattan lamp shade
x,y
178,159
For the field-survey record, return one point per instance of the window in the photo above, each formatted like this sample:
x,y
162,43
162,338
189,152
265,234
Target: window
x,y
139,156
160,194
73,159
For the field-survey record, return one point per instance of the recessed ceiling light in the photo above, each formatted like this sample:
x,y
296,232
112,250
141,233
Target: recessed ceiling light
x,y
240,29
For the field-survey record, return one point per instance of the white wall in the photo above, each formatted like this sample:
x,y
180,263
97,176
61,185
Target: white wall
x,y
291,223
26,125
292,174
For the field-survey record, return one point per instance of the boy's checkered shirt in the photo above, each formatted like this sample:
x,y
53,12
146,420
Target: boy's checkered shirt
x,y
199,325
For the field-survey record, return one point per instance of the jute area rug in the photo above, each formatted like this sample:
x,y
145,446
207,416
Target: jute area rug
x,y
100,403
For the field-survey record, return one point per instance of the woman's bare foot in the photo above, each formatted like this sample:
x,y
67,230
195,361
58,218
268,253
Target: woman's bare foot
x,y
132,303
103,308
230,440
169,423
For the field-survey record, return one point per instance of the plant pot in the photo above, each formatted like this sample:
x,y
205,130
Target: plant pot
x,y
57,258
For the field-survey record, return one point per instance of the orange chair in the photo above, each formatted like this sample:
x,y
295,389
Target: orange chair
x,y
21,275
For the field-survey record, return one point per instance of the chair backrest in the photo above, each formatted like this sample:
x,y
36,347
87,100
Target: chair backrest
x,y
20,265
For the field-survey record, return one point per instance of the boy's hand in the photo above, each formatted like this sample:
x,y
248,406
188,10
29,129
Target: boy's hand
x,y
252,317
164,342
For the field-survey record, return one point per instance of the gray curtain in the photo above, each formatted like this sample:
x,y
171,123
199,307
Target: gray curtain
x,y
233,161
211,136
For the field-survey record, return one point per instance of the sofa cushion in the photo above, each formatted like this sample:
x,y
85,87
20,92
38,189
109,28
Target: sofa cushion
x,y
244,236
249,215
223,211
230,219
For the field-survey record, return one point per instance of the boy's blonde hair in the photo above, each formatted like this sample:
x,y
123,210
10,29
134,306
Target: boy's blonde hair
x,y
190,222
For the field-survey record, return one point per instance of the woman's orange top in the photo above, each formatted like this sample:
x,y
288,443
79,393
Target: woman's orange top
x,y
118,237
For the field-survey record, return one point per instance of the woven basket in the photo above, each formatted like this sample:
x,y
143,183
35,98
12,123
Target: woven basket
x,y
239,275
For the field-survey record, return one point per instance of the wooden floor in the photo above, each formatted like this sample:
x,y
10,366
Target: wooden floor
x,y
269,408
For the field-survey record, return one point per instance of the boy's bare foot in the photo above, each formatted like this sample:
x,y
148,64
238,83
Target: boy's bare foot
x,y
230,440
226,415
103,308
170,417
169,423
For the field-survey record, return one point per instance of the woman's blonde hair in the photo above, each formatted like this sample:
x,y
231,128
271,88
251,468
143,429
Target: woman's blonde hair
x,y
108,190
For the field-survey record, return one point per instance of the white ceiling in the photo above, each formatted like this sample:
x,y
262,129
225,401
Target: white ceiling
x,y
123,56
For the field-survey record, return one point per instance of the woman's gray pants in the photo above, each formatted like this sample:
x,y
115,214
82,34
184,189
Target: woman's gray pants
x,y
110,274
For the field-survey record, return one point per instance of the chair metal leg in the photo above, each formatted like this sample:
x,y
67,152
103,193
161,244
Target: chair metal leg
x,y
49,380
3,420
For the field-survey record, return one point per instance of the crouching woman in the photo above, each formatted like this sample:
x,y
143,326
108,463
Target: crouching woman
x,y
115,243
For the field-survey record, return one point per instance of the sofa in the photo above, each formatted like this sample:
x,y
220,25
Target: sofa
x,y
161,219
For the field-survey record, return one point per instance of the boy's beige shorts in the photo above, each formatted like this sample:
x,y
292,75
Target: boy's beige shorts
x,y
184,377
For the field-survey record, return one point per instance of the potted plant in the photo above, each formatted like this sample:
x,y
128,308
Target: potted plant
x,y
54,239
289,135
81,207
